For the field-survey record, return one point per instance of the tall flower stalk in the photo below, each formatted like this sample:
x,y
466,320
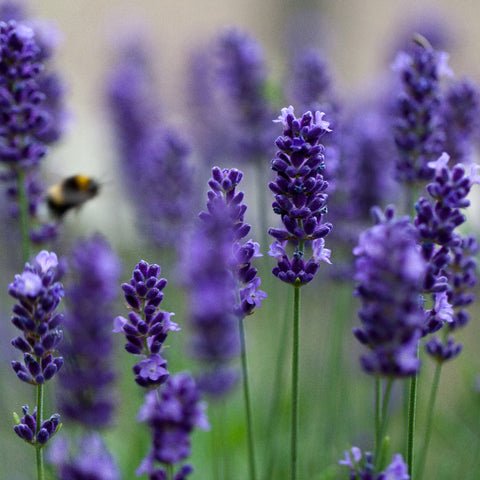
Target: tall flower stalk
x,y
300,200
221,271
38,295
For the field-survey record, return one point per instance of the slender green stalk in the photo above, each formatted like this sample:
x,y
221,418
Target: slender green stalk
x,y
169,470
428,426
276,391
39,449
378,413
246,394
412,406
295,356
24,216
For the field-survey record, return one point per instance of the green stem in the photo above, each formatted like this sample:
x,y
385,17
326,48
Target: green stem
x,y
246,394
378,414
24,216
412,406
295,355
39,450
428,427
276,391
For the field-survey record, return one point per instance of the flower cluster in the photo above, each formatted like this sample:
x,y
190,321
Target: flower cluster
x,y
38,294
436,223
152,156
418,124
21,98
86,379
172,415
461,113
146,327
26,427
241,79
222,283
390,271
362,467
91,460
300,198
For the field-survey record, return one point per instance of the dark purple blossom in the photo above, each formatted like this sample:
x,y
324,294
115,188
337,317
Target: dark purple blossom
x,y
38,295
88,459
26,427
86,395
146,326
223,285
362,467
390,271
172,414
300,195
418,126
436,222
442,352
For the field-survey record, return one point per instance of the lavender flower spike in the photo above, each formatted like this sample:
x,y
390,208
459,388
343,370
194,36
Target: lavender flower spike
x,y
222,282
419,129
390,271
146,327
86,379
38,294
172,414
300,198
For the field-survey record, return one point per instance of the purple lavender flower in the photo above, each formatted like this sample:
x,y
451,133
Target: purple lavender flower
x,y
442,352
34,111
153,157
241,82
419,133
462,278
461,119
86,379
146,327
390,271
38,295
26,427
362,466
87,459
300,198
222,282
436,223
172,414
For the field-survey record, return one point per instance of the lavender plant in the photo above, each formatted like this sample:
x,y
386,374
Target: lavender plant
x,y
224,288
38,294
172,414
146,327
86,382
300,200
152,156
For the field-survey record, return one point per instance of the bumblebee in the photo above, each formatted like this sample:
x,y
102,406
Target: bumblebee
x,y
72,192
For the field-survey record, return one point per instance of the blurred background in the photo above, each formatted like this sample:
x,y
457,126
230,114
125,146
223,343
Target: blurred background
x,y
360,40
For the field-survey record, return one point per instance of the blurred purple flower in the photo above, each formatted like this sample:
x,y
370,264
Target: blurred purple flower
x,y
172,414
86,380
390,271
